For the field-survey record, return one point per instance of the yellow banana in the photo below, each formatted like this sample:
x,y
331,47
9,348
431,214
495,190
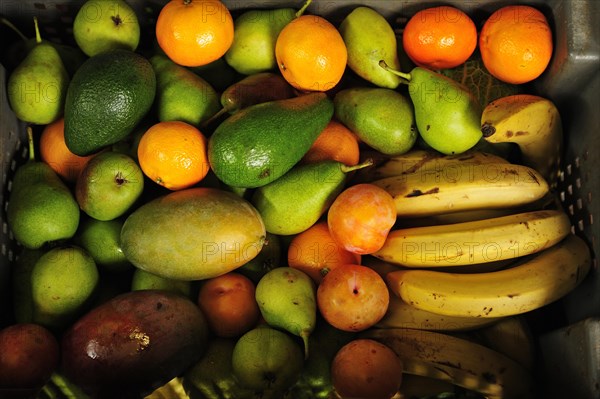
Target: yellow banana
x,y
454,217
533,123
549,201
382,267
512,337
454,376
543,278
463,187
468,243
402,315
419,160
483,369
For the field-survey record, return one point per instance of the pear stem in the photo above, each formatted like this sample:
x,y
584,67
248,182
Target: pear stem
x,y
38,37
30,142
384,65
214,117
304,7
14,28
364,164
304,335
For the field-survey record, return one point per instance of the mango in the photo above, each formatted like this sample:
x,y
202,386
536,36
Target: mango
x,y
193,234
133,343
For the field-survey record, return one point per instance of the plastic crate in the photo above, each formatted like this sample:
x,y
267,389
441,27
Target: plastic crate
x,y
568,330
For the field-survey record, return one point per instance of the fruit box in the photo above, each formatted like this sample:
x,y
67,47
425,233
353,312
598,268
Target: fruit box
x,y
567,332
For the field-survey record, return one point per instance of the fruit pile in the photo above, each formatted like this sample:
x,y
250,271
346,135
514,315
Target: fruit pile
x,y
259,203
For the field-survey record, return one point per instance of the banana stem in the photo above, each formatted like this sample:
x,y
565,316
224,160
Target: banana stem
x,y
367,162
304,7
14,28
384,65
30,141
38,37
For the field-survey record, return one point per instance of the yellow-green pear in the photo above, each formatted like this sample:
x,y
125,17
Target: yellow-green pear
x,y
37,88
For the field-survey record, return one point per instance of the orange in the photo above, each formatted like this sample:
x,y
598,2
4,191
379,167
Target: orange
x,y
335,142
173,154
315,252
194,32
311,53
516,44
439,37
54,152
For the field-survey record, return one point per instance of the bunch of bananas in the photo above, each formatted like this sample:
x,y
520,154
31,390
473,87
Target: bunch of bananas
x,y
479,242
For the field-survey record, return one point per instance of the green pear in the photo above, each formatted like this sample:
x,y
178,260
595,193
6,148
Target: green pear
x,y
382,118
71,56
287,299
447,114
101,239
212,376
296,200
41,208
62,282
102,25
267,360
369,38
255,34
182,95
37,88
143,280
109,185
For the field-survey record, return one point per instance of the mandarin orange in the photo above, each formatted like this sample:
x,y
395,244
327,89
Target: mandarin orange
x,y
311,53
439,37
335,142
54,152
315,252
516,44
173,154
194,32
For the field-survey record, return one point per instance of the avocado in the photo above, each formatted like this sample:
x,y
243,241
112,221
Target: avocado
x,y
260,143
108,96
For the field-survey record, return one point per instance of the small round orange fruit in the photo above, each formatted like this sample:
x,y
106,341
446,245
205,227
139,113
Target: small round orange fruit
x,y
361,217
54,152
439,37
173,154
316,253
353,297
516,44
194,32
365,368
311,53
229,304
335,142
